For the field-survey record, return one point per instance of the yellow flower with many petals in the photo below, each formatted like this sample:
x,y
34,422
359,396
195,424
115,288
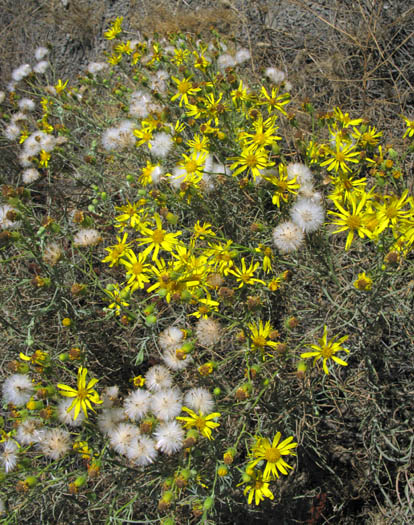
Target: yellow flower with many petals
x,y
257,487
338,157
136,269
274,101
326,349
117,251
204,424
260,336
352,219
115,29
272,453
44,158
158,239
83,396
185,88
245,275
252,159
284,186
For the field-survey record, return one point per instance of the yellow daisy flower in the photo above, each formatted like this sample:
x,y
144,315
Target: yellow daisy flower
x,y
203,424
326,349
272,453
83,395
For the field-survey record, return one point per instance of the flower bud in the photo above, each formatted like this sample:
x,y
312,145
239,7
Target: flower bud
x,y
301,369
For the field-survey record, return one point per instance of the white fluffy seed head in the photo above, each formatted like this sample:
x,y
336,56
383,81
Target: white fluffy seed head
x,y
308,215
87,237
41,52
26,104
141,451
287,237
169,437
171,338
161,144
54,442
21,72
122,435
41,67
30,175
200,400
96,67
208,331
8,456
137,404
12,131
174,362
275,75
52,253
167,404
28,431
242,55
224,61
109,396
109,418
302,173
17,389
158,378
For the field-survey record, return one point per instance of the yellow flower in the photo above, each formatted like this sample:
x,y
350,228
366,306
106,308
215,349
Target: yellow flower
x,y
200,61
132,215
158,239
345,119
180,56
240,94
264,134
66,322
338,158
275,101
37,358
244,275
352,220
260,336
193,165
138,381
124,48
251,159
391,210
283,185
117,251
60,87
44,158
363,282
83,395
116,28
144,135
114,59
327,349
23,136
257,487
136,269
118,298
272,453
367,137
146,175
185,88
201,230
203,424
410,127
